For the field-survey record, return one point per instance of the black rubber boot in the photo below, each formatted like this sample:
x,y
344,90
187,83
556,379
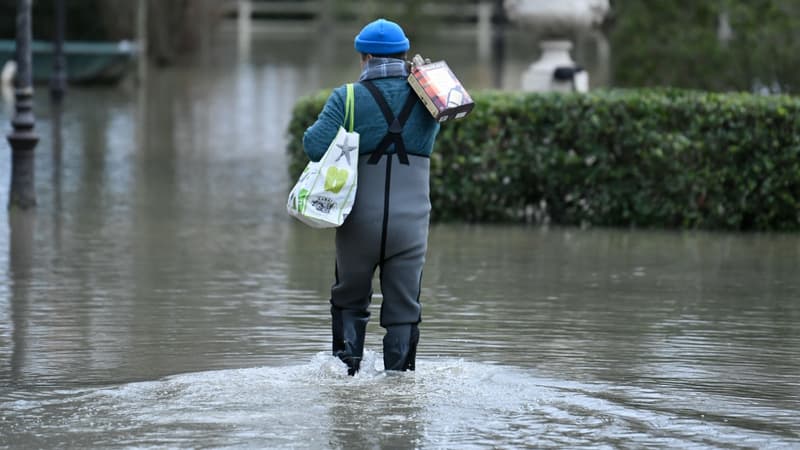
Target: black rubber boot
x,y
349,328
400,347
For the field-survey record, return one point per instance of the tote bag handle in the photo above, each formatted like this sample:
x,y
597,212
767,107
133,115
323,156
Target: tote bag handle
x,y
349,107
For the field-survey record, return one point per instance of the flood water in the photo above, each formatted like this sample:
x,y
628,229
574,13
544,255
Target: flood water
x,y
160,296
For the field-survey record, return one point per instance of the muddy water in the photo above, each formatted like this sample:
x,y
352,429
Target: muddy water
x,y
161,297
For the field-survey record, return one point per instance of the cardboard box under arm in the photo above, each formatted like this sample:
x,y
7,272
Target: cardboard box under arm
x,y
440,90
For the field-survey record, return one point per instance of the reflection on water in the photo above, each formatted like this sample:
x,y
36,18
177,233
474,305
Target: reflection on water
x,y
161,296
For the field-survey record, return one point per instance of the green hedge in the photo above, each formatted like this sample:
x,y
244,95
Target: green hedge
x,y
655,158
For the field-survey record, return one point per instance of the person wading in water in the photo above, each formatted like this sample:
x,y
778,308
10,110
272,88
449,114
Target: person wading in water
x,y
387,228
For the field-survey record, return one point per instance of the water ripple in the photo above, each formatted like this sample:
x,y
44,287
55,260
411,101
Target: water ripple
x,y
447,403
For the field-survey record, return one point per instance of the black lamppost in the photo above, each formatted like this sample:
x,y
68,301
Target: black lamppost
x,y
22,138
58,82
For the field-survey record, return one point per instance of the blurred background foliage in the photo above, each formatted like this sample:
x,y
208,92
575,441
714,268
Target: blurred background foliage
x,y
718,45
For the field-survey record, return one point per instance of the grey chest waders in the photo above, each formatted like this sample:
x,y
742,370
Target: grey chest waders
x,y
387,229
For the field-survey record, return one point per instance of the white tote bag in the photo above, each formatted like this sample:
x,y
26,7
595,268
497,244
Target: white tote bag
x,y
324,194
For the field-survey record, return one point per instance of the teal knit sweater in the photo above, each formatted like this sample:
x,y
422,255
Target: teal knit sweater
x,y
418,133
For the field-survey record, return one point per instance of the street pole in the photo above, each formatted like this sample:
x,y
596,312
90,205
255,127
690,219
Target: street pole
x,y
143,38
484,31
22,138
498,45
58,81
244,27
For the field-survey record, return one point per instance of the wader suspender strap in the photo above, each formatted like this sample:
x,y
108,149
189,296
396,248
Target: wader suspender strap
x,y
394,135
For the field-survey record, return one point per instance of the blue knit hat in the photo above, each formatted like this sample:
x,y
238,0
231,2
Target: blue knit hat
x,y
382,37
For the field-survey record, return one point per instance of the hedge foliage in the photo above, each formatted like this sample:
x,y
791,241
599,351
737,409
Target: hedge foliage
x,y
652,158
